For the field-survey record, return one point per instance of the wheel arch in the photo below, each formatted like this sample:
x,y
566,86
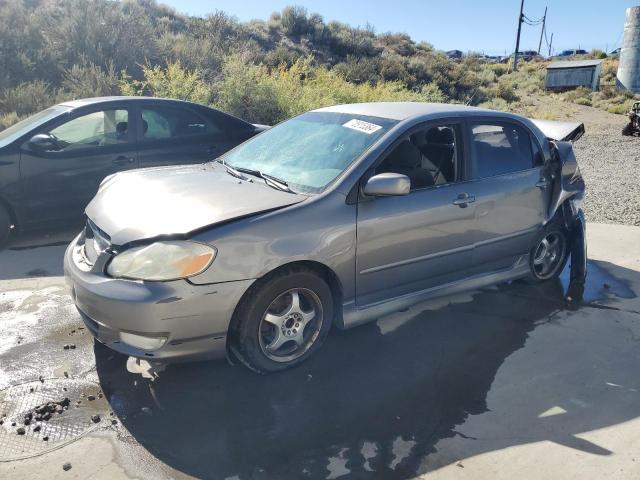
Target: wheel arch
x,y
322,270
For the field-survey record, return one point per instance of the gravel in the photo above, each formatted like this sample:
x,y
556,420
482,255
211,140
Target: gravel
x,y
610,164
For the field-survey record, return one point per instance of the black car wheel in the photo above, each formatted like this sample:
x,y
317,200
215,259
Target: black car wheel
x,y
550,253
282,320
5,227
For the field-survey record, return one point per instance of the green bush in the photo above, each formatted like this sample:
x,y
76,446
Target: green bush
x,y
170,82
8,119
26,98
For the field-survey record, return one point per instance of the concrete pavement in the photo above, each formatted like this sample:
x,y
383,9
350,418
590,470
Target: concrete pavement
x,y
497,383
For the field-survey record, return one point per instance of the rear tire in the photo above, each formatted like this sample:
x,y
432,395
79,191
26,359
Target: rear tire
x,y
281,320
550,253
5,227
628,129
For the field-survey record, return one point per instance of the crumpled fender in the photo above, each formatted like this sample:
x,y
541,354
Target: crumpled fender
x,y
567,179
567,196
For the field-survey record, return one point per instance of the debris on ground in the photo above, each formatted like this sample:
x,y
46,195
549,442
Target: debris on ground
x,y
21,431
95,418
66,467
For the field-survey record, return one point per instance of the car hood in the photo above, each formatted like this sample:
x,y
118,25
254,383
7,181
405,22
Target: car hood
x,y
166,201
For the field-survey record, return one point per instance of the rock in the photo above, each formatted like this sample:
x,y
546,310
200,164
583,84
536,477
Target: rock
x,y
13,424
91,398
27,421
41,378
28,416
59,409
37,428
1,422
21,431
66,347
31,390
72,347
66,467
46,417
114,422
95,418
45,439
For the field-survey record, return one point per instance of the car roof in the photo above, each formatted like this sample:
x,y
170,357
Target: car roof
x,y
83,102
408,110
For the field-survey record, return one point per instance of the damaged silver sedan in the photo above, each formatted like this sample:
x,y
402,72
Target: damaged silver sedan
x,y
330,219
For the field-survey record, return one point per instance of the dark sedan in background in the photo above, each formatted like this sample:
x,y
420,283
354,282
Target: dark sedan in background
x,y
52,163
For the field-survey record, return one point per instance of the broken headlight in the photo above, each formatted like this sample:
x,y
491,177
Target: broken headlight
x,y
162,261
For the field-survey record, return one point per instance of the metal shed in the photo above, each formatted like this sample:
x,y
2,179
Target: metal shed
x,y
571,74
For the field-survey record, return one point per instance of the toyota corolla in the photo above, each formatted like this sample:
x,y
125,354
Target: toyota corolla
x,y
330,219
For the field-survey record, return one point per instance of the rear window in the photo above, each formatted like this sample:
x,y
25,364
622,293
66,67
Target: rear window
x,y
501,148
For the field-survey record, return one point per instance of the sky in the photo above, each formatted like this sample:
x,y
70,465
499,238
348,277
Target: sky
x,y
487,26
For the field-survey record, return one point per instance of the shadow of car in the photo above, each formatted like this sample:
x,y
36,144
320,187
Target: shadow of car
x,y
375,402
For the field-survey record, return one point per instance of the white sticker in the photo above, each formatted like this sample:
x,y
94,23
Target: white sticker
x,y
362,126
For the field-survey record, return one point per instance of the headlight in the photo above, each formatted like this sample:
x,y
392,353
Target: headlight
x,y
162,261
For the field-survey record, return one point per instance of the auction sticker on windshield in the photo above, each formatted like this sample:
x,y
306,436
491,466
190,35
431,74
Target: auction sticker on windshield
x,y
362,126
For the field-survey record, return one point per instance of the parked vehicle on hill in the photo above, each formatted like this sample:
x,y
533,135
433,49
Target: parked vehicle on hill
x,y
52,163
572,52
332,218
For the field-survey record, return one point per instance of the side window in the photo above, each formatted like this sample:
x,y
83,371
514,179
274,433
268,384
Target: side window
x,y
428,157
501,148
97,129
165,122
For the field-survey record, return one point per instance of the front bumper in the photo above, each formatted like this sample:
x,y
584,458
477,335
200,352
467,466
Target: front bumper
x,y
194,319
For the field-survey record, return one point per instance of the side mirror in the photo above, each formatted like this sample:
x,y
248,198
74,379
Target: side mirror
x,y
387,185
43,142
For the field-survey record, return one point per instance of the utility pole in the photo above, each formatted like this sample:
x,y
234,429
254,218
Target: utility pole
x,y
544,21
550,44
520,19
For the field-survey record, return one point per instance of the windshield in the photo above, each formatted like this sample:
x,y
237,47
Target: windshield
x,y
310,150
15,131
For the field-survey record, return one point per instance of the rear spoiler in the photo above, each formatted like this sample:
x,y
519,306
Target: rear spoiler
x,y
560,131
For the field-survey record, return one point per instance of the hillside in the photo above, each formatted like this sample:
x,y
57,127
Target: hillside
x,y
263,70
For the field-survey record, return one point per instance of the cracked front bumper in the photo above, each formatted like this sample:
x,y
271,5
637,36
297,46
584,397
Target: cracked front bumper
x,y
193,319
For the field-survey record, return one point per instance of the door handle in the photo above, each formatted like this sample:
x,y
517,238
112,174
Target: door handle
x,y
464,199
542,184
122,160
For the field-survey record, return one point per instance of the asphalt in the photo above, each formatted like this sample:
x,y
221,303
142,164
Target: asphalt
x,y
502,382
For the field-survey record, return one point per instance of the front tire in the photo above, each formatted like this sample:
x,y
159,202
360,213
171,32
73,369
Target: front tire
x,y
282,320
549,254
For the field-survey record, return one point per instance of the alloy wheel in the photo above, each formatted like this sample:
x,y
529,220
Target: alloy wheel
x,y
290,325
549,255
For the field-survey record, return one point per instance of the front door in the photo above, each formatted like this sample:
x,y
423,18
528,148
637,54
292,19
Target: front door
x,y
58,184
415,242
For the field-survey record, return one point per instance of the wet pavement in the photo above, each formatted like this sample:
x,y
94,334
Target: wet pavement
x,y
447,388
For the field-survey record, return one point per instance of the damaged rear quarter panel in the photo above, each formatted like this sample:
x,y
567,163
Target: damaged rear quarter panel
x,y
568,182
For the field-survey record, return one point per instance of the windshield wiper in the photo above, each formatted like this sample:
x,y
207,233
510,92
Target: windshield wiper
x,y
233,171
268,179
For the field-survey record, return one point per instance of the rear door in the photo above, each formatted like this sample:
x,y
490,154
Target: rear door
x,y
415,242
92,144
511,188
174,134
